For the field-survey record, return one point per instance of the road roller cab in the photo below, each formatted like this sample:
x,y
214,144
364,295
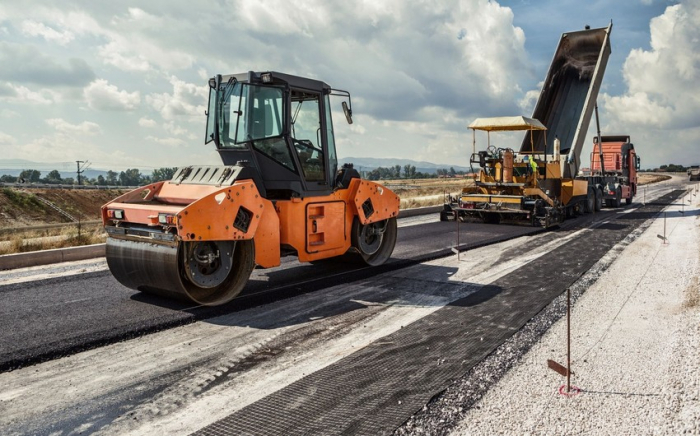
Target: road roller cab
x,y
279,192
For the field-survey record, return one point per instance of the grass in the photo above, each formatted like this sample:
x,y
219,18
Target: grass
x,y
22,199
71,237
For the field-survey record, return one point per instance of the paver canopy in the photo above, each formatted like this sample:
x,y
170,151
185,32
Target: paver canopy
x,y
506,123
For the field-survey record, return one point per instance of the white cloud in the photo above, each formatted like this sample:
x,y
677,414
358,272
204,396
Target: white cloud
x,y
187,99
6,139
21,94
60,147
100,95
664,82
202,73
147,122
119,53
28,63
84,128
529,100
137,44
175,129
33,28
169,142
418,71
661,105
7,113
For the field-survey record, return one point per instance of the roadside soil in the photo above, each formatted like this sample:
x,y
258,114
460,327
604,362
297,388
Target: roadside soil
x,y
23,207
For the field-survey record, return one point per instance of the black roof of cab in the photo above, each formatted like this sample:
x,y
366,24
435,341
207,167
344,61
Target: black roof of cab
x,y
280,79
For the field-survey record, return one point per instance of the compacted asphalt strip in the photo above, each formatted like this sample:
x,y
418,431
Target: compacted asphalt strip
x,y
376,389
55,317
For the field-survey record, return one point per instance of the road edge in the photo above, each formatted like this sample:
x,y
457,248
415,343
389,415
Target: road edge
x,y
58,255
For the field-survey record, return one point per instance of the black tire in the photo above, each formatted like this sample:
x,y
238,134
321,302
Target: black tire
x,y
443,216
243,262
589,203
491,218
628,200
617,202
570,212
598,199
375,241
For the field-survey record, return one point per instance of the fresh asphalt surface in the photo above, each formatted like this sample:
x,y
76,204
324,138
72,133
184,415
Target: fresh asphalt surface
x,y
49,318
45,319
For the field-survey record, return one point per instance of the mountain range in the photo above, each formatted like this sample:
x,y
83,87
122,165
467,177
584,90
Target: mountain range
x,y
13,167
370,163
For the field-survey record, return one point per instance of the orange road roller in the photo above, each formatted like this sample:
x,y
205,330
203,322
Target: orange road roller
x,y
278,193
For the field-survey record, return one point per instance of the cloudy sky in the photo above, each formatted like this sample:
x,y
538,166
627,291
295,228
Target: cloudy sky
x,y
123,84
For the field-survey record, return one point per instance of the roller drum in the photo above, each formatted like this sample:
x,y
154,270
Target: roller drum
x,y
159,269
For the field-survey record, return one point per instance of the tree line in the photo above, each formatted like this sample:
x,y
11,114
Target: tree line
x,y
130,177
673,168
407,172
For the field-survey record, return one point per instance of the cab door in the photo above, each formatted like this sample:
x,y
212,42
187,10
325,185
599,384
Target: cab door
x,y
309,141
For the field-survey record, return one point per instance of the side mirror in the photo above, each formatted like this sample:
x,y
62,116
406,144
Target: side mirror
x,y
348,112
639,162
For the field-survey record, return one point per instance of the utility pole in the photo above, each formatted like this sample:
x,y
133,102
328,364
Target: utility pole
x,y
81,169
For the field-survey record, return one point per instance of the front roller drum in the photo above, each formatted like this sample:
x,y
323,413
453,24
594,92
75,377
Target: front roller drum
x,y
208,273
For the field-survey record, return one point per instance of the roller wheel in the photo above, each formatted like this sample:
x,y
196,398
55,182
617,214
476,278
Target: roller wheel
x,y
589,204
215,272
375,241
598,199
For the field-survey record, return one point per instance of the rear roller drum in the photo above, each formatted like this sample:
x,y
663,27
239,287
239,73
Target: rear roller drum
x,y
375,241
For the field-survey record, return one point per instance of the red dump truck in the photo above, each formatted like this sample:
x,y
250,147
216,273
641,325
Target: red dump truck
x,y
613,172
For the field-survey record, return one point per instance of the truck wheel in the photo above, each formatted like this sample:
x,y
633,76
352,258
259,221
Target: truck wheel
x,y
617,202
628,200
491,218
589,204
598,199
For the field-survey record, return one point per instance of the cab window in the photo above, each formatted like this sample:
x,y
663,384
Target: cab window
x,y
306,135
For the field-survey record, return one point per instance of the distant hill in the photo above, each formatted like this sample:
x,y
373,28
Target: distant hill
x,y
370,163
13,167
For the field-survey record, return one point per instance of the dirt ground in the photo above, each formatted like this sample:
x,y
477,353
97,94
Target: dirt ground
x,y
647,178
22,208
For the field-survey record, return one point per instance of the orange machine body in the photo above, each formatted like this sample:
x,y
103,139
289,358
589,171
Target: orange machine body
x,y
210,213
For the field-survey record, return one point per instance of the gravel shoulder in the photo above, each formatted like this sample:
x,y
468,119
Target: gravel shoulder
x,y
635,338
